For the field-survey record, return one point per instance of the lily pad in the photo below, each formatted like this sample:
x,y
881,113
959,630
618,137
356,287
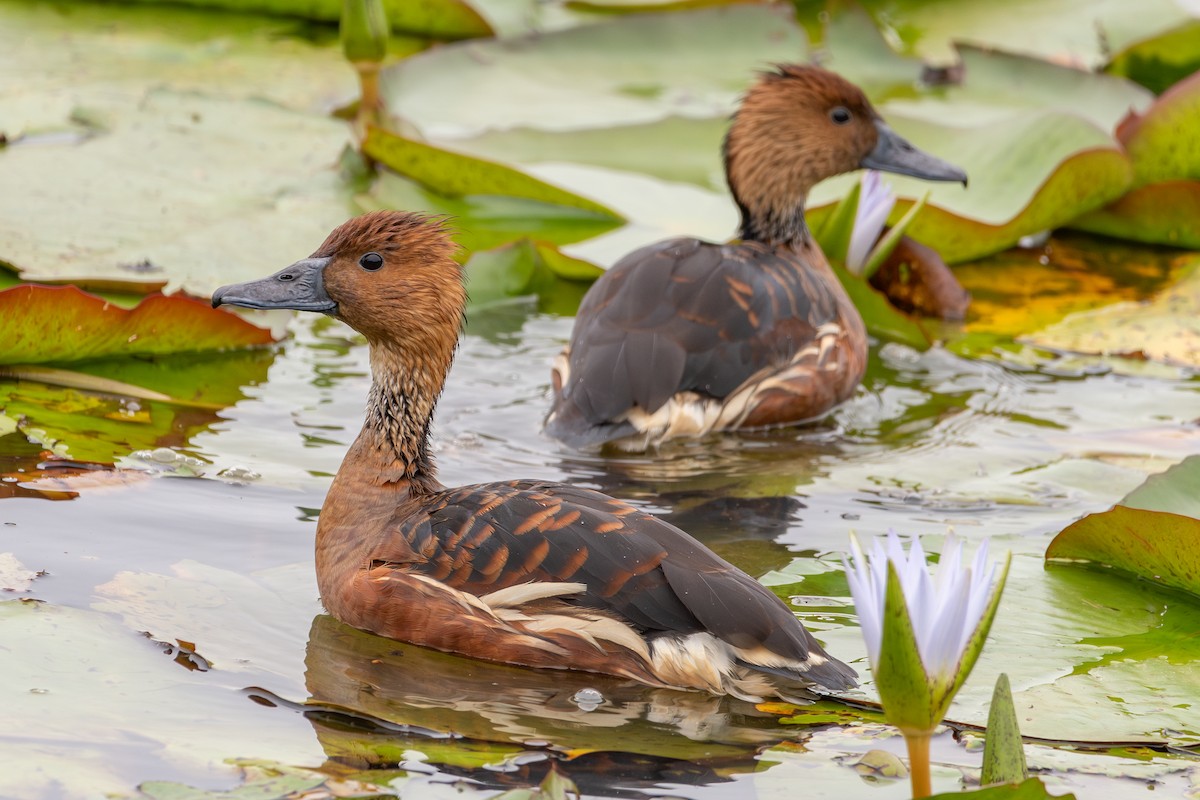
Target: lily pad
x,y
456,174
1157,213
630,69
43,323
1031,789
1076,32
1154,533
1165,328
1159,141
483,222
442,19
88,54
1160,61
102,426
525,268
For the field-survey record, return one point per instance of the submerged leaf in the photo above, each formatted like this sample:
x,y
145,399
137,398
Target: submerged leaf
x,y
43,323
1166,328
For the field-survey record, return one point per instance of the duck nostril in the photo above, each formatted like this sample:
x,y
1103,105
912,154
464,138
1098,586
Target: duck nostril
x,y
287,276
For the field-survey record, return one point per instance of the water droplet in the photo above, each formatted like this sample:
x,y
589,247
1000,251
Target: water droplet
x,y
851,515
163,455
588,699
39,691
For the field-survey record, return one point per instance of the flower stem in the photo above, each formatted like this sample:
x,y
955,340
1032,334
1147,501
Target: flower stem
x,y
918,762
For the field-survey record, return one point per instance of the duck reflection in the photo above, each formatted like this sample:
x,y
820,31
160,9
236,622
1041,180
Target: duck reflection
x,y
374,701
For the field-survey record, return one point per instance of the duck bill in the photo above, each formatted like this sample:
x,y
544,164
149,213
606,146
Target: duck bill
x,y
893,153
300,287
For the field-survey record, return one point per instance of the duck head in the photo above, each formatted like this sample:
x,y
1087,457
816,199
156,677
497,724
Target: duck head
x,y
800,125
390,275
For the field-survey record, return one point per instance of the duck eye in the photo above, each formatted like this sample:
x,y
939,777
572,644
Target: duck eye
x,y
840,115
371,261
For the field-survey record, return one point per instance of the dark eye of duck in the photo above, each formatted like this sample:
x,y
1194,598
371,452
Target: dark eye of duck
x,y
371,261
840,115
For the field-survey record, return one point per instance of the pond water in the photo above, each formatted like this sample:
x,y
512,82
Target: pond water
x,y
216,556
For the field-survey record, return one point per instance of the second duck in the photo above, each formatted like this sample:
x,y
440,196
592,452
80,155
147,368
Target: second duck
x,y
684,337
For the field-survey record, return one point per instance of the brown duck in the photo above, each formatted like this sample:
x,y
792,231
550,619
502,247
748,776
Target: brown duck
x,y
526,572
685,336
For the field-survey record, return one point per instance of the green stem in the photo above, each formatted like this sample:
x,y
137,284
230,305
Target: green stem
x,y
918,762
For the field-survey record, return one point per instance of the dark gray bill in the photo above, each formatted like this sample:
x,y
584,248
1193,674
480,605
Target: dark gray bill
x,y
894,154
300,286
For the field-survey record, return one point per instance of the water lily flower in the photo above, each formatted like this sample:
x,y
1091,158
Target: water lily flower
x,y
923,632
875,202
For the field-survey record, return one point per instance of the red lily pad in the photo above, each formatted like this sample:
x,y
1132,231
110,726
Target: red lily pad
x,y
1151,534
41,324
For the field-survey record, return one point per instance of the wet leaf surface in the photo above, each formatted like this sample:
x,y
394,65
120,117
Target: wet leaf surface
x,y
1164,328
42,323
1152,534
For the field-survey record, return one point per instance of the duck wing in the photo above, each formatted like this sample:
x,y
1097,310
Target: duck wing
x,y
682,315
485,538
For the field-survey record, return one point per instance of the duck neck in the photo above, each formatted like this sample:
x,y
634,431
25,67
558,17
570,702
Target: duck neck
x,y
776,227
394,443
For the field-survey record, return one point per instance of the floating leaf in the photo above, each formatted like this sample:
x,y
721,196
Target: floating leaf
x,y
14,576
1031,789
1003,751
1157,213
1159,141
43,323
1166,328
1155,539
455,174
1160,61
244,177
442,19
626,70
1076,32
103,425
1029,172
482,222
525,268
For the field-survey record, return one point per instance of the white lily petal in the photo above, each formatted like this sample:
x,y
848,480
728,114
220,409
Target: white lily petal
x,y
875,203
946,606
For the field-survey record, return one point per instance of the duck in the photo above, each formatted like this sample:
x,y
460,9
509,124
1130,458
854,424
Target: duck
x,y
684,337
527,572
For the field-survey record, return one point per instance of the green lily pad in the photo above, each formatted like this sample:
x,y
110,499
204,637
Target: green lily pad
x,y
456,174
44,323
102,426
244,177
1154,533
1077,32
483,222
1031,789
525,268
1159,141
91,57
1160,61
441,19
1157,213
1030,172
629,69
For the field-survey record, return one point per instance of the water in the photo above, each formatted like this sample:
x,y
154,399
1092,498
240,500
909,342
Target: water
x,y
222,563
